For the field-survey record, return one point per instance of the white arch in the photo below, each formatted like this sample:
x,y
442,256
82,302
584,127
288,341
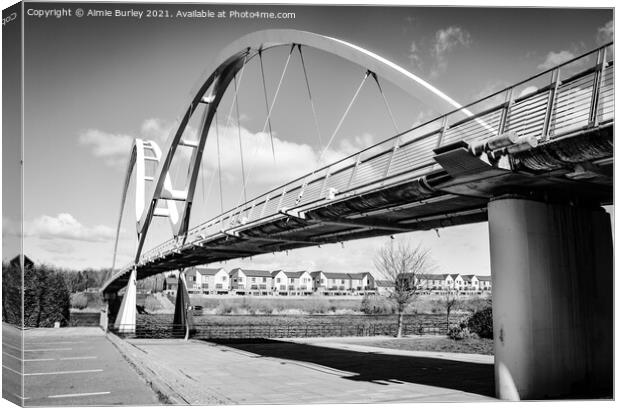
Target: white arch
x,y
215,81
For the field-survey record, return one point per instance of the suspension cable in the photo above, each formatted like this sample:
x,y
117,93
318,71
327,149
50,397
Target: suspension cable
x,y
262,72
240,143
316,120
275,97
385,101
219,163
331,139
346,112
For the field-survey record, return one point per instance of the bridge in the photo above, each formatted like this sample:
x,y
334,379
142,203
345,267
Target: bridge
x,y
537,165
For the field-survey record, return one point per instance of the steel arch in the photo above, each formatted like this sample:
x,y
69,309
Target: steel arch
x,y
211,88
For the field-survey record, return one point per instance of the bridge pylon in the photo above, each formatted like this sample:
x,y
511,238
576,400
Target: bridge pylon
x,y
552,271
183,318
126,318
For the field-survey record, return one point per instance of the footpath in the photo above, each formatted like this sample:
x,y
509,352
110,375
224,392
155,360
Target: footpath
x,y
304,371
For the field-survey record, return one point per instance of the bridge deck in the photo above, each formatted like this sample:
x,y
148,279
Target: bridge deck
x,y
422,179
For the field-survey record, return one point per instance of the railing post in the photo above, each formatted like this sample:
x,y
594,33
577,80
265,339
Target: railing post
x,y
324,186
555,83
262,212
396,145
444,127
503,121
596,86
279,207
357,163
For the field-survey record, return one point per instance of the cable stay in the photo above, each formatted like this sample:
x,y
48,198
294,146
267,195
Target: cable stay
x,y
240,143
275,97
385,101
331,139
262,72
273,102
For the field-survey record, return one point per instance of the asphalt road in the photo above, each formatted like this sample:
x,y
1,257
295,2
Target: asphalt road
x,y
73,366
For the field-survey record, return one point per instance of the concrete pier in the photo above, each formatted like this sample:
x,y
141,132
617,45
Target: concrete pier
x,y
552,299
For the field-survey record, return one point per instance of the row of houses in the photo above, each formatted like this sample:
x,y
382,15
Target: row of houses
x,y
214,281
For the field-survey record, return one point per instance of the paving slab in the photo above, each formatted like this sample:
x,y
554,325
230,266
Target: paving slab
x,y
287,372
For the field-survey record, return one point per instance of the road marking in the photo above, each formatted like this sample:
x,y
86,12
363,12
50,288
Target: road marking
x,y
67,372
40,359
10,369
85,394
19,396
78,358
54,342
10,346
11,355
52,349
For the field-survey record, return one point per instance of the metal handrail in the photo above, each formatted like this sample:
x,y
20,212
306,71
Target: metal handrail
x,y
285,190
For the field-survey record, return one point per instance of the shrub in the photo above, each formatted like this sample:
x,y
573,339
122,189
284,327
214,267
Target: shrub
x,y
79,301
152,304
481,323
373,304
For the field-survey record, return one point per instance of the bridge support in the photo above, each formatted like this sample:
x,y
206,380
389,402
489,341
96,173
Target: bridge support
x,y
552,267
126,318
183,320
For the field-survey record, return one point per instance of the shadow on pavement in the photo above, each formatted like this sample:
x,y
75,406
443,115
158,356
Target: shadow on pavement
x,y
378,368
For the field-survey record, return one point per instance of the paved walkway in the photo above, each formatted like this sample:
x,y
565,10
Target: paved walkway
x,y
303,372
71,366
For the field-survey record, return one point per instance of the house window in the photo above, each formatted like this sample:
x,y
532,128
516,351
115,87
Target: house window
x,y
224,278
342,282
322,281
253,280
278,280
264,280
292,280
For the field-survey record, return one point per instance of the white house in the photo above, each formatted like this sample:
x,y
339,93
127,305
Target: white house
x,y
471,283
258,282
484,282
337,283
249,281
384,287
298,283
279,282
214,280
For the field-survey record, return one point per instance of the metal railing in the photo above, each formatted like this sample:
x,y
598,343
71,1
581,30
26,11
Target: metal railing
x,y
266,331
549,105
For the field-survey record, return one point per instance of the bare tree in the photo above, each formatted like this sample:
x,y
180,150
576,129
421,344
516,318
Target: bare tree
x,y
400,263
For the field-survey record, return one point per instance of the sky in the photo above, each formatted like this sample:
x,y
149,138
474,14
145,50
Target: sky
x,y
93,84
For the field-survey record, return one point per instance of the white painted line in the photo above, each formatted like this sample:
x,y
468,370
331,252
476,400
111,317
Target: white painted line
x,y
86,394
11,355
19,396
78,358
67,372
10,346
10,369
52,349
40,359
53,342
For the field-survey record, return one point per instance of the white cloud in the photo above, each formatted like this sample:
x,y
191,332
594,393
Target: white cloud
x,y
113,148
528,90
556,58
447,40
605,34
414,56
65,226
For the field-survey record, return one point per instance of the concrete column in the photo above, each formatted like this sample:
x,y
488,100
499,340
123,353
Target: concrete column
x,y
126,318
552,273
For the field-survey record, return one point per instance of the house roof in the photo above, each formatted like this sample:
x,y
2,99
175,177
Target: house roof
x,y
257,273
336,275
274,273
294,274
357,275
486,278
468,278
27,262
384,284
171,281
209,271
426,276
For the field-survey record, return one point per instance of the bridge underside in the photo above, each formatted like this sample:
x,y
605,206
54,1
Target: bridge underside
x,y
577,168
